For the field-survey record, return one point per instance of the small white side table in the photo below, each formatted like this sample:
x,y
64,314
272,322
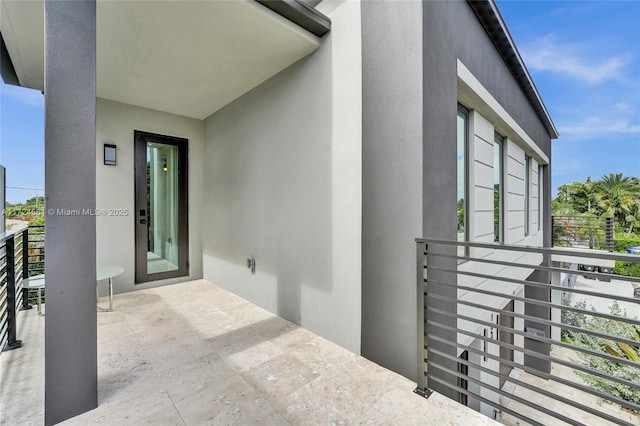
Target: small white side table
x,y
102,273
107,273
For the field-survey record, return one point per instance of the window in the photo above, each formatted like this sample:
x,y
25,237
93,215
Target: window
x,y
462,218
527,190
498,201
540,179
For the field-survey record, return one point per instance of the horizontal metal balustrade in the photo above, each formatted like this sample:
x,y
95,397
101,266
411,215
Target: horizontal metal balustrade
x,y
14,268
582,232
490,321
36,258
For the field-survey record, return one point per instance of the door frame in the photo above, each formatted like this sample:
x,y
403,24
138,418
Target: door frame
x,y
140,190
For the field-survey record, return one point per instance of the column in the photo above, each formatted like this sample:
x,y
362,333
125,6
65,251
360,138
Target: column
x,y
70,188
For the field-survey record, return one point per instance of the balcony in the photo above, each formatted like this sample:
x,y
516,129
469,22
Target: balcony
x,y
193,353
523,336
503,330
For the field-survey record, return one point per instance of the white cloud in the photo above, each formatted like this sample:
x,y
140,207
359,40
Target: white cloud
x,y
594,126
622,106
569,166
27,97
572,60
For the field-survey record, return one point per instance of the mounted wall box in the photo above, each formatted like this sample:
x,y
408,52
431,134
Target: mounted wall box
x,y
251,264
109,154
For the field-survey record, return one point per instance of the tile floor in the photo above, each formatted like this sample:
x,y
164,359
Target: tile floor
x,y
194,354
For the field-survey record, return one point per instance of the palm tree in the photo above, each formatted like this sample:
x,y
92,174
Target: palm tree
x,y
618,195
633,218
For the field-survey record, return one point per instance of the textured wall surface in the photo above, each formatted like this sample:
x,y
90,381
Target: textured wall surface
x,y
410,97
71,361
283,185
392,139
116,123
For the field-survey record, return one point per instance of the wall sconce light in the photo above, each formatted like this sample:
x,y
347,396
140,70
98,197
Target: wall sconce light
x,y
109,154
164,166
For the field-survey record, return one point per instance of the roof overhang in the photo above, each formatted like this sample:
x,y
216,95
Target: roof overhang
x,y
22,29
7,71
491,18
184,57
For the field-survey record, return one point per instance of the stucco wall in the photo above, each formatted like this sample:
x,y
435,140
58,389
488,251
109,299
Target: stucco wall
x,y
283,184
70,325
116,123
409,151
392,180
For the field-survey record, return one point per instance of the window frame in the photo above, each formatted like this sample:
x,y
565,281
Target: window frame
x,y
465,113
540,193
527,194
499,140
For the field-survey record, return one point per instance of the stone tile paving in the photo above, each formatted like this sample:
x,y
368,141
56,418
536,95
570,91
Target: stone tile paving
x,y
166,357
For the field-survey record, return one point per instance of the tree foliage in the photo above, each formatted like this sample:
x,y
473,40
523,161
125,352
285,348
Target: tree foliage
x,y
33,207
619,349
612,195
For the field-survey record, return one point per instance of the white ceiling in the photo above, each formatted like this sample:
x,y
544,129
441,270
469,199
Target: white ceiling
x,y
184,57
22,26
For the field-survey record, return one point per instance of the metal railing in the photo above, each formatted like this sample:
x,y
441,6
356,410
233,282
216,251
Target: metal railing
x,y
583,232
14,267
519,334
36,259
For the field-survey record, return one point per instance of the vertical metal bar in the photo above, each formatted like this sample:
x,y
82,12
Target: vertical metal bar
x,y
553,233
422,380
12,342
25,268
110,294
25,253
609,233
484,344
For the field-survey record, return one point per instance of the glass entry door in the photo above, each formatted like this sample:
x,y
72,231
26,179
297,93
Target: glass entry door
x,y
161,207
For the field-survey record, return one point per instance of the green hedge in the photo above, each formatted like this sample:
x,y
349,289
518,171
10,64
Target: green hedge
x,y
620,243
628,269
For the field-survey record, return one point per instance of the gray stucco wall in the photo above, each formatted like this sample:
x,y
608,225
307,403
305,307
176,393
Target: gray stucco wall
x,y
452,30
392,140
409,152
71,358
282,184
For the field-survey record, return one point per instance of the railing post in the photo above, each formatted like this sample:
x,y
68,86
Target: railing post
x,y
553,232
609,233
421,341
12,342
25,268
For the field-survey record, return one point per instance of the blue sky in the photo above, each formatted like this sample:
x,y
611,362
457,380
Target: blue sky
x,y
584,57
22,140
